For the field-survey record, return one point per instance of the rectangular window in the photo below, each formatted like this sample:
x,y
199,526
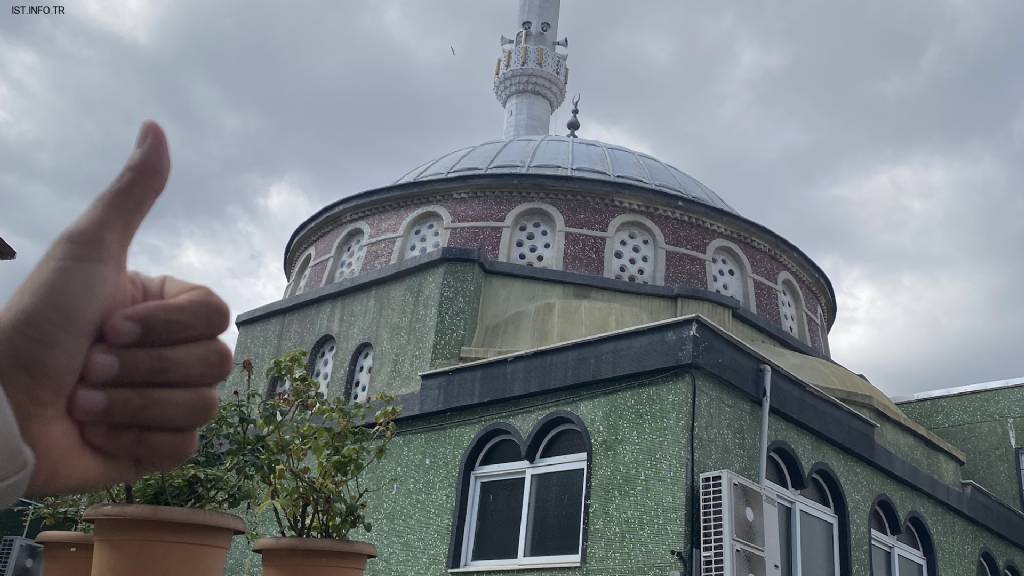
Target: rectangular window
x,y
808,537
890,557
526,514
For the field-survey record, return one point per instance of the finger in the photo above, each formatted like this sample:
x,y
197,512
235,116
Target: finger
x,y
153,450
182,313
169,408
113,218
200,363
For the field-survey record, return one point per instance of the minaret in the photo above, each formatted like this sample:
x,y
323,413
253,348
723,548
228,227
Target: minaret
x,y
530,77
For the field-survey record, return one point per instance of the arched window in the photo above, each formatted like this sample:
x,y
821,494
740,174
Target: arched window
x,y
987,564
633,253
729,272
808,520
1011,570
791,308
349,255
524,512
896,550
360,374
533,236
301,276
426,233
321,361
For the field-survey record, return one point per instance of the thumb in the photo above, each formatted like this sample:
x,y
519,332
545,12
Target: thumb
x,y
112,219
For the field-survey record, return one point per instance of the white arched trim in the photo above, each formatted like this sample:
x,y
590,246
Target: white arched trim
x,y
659,240
529,207
300,273
749,295
786,280
333,257
446,218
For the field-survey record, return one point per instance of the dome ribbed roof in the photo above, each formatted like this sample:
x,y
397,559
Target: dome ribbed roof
x,y
564,156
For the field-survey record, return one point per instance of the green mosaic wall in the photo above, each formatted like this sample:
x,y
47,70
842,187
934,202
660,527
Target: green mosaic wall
x,y
734,446
988,426
638,487
415,322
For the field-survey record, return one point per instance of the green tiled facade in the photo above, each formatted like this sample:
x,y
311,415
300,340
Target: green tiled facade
x,y
989,426
643,430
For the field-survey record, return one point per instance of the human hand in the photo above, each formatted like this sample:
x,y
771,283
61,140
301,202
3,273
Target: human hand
x,y
110,373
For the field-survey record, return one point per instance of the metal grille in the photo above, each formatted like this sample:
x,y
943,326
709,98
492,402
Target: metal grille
x,y
712,525
6,551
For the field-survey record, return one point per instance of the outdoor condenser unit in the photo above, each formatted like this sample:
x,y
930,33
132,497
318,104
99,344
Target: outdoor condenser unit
x,y
739,527
20,557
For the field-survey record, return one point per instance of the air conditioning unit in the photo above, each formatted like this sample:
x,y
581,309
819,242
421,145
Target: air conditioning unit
x,y
20,557
739,527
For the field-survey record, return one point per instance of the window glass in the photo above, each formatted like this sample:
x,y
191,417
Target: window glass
x,y
776,473
568,441
878,523
881,562
555,513
816,492
786,539
505,450
983,568
498,515
910,568
909,537
817,551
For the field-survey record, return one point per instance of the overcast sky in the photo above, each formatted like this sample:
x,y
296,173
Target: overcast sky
x,y
885,139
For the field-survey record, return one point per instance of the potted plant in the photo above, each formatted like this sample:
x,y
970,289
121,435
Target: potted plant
x,y
172,523
308,452
67,542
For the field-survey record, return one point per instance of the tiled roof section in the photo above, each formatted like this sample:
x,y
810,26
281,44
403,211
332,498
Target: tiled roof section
x,y
561,155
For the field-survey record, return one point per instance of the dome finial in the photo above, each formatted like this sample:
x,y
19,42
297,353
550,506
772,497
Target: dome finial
x,y
574,123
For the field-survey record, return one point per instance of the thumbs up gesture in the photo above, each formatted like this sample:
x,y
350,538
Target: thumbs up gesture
x,y
109,372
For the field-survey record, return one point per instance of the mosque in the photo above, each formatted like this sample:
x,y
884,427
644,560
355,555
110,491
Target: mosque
x,y
584,339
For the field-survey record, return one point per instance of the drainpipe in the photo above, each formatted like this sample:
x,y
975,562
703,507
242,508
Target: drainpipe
x,y
766,401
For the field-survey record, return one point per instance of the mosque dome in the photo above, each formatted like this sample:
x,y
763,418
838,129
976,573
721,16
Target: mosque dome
x,y
566,156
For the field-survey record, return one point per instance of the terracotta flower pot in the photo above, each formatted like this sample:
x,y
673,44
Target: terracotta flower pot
x,y
133,539
66,553
313,556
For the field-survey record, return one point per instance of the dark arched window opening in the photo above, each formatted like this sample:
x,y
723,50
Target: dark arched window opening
x,y
523,508
808,517
987,564
899,549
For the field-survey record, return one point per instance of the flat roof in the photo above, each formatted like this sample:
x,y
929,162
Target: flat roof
x,y
957,391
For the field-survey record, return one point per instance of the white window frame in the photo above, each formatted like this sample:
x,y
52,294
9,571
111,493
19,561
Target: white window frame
x,y
898,550
798,504
527,470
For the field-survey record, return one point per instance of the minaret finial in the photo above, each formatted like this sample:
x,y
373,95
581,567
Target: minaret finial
x,y
574,123
530,77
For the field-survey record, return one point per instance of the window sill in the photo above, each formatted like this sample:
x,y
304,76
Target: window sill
x,y
511,567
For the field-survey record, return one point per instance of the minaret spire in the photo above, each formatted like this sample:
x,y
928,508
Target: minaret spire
x,y
530,77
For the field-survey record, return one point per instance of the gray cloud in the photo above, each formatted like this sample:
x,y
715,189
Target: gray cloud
x,y
883,139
